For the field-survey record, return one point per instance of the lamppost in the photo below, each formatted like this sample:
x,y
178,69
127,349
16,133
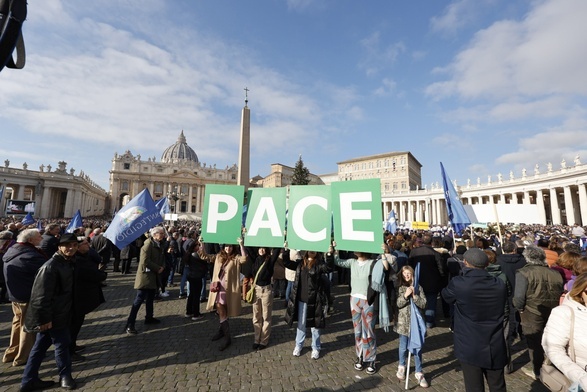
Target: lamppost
x,y
175,195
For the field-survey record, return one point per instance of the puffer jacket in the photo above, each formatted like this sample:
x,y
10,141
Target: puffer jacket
x,y
556,338
317,300
52,295
21,263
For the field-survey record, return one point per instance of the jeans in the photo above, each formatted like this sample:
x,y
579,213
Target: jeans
x,y
288,289
184,278
193,303
143,295
174,260
430,313
58,337
403,350
203,292
301,331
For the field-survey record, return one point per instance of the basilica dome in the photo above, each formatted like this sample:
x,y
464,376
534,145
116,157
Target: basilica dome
x,y
179,151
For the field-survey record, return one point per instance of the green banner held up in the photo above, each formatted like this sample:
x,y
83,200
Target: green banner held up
x,y
357,215
266,217
223,210
308,219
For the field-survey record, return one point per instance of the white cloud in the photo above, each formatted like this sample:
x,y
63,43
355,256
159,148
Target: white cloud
x,y
456,15
379,56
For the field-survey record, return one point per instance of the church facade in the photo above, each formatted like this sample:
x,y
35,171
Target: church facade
x,y
179,176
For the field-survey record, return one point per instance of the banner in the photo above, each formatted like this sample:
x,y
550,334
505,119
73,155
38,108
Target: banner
x,y
223,210
356,207
309,222
266,227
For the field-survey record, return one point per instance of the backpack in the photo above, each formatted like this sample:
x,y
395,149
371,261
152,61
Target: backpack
x,y
12,16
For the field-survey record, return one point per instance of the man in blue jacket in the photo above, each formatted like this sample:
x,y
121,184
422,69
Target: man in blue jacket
x,y
479,302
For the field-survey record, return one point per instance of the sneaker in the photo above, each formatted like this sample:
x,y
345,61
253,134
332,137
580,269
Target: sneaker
x,y
401,372
152,320
188,315
297,351
359,364
131,331
165,294
255,346
315,354
262,346
421,379
182,296
198,317
371,369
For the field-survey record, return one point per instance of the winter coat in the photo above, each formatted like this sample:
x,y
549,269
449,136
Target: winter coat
x,y
49,244
197,264
87,288
402,326
266,273
21,263
478,300
431,268
556,338
317,299
52,294
151,260
538,290
233,292
509,264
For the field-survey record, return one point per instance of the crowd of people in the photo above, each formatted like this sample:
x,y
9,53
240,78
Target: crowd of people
x,y
493,287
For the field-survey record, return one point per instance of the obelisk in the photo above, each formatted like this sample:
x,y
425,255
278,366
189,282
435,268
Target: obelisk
x,y
244,151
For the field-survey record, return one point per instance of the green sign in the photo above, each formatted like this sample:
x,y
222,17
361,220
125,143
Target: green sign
x,y
266,217
223,210
309,218
357,215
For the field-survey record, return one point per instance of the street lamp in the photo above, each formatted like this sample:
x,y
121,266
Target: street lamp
x,y
174,195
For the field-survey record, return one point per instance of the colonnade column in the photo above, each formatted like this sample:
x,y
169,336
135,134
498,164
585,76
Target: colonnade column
x,y
541,207
554,208
569,208
583,203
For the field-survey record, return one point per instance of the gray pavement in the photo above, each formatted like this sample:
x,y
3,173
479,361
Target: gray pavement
x,y
177,355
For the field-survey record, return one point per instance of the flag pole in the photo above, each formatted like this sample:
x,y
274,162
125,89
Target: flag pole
x,y
408,369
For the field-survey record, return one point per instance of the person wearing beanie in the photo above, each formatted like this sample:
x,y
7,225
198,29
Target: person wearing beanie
x,y
479,301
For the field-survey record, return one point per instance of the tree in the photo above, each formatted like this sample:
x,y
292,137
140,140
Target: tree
x,y
301,174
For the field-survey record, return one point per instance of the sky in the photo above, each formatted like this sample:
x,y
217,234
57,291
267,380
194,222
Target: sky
x,y
483,86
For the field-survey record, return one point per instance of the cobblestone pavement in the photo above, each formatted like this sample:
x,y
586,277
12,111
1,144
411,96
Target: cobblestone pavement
x,y
177,355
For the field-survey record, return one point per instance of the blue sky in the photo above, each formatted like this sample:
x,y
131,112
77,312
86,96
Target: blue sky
x,y
485,86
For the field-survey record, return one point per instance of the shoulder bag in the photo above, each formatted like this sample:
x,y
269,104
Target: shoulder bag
x,y
250,297
550,376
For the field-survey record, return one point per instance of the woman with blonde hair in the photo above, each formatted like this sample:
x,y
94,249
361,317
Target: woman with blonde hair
x,y
556,338
225,289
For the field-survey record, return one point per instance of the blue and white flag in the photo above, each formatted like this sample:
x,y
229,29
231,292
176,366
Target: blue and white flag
x,y
456,212
163,206
28,219
76,222
39,225
114,212
417,324
134,219
2,192
391,223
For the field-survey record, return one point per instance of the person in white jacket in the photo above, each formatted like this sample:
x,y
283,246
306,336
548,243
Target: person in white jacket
x,y
557,334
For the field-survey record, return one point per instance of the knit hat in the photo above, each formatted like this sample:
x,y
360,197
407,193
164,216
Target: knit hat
x,y
476,257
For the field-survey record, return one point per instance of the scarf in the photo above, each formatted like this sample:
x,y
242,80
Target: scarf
x,y
378,284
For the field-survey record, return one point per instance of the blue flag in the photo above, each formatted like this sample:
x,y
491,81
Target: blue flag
x,y
391,224
75,223
134,219
28,219
2,192
456,212
163,206
114,213
40,225
417,324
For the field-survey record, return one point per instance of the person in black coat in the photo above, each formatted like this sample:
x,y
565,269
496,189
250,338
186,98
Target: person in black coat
x,y
50,239
197,268
479,301
308,302
49,314
87,291
432,272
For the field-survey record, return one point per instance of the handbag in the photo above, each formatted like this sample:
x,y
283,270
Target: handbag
x,y
250,296
215,287
550,376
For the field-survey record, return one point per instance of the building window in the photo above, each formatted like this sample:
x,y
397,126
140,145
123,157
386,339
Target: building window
x,y
158,188
395,186
124,186
159,170
404,185
233,176
146,168
126,166
378,163
184,189
393,165
387,186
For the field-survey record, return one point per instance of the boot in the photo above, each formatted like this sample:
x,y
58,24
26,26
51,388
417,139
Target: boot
x,y
226,332
219,334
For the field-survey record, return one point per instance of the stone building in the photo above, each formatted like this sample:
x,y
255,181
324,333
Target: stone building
x,y
179,175
50,193
280,176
